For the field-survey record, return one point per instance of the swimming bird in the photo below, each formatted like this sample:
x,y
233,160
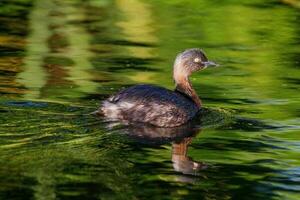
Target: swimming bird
x,y
156,105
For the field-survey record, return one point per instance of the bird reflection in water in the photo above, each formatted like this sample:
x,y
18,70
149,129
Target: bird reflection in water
x,y
183,163
180,137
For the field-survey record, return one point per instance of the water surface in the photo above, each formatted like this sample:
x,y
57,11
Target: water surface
x,y
59,59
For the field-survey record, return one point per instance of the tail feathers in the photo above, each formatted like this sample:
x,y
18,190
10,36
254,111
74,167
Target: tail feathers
x,y
111,110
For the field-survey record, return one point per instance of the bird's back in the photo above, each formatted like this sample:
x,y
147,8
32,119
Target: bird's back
x,y
150,104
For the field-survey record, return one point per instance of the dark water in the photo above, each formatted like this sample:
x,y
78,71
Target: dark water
x,y
60,58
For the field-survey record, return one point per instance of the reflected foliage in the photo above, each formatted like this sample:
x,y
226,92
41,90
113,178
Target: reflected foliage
x,y
59,58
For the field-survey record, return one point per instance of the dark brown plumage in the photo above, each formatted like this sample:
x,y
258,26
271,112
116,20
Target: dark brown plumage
x,y
156,105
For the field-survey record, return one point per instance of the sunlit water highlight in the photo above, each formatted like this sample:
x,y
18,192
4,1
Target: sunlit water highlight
x,y
59,59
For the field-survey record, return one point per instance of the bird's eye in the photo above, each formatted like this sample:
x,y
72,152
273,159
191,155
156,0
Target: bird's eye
x,y
197,60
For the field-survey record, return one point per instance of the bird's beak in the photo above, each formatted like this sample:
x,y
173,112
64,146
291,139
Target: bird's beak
x,y
210,64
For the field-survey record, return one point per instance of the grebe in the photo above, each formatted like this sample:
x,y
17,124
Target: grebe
x,y
156,105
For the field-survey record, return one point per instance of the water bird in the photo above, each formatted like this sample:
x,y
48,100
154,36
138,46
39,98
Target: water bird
x,y
156,105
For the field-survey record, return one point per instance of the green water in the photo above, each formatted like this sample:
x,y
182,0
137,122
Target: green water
x,y
60,58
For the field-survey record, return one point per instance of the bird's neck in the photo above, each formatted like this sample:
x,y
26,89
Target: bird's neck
x,y
183,85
